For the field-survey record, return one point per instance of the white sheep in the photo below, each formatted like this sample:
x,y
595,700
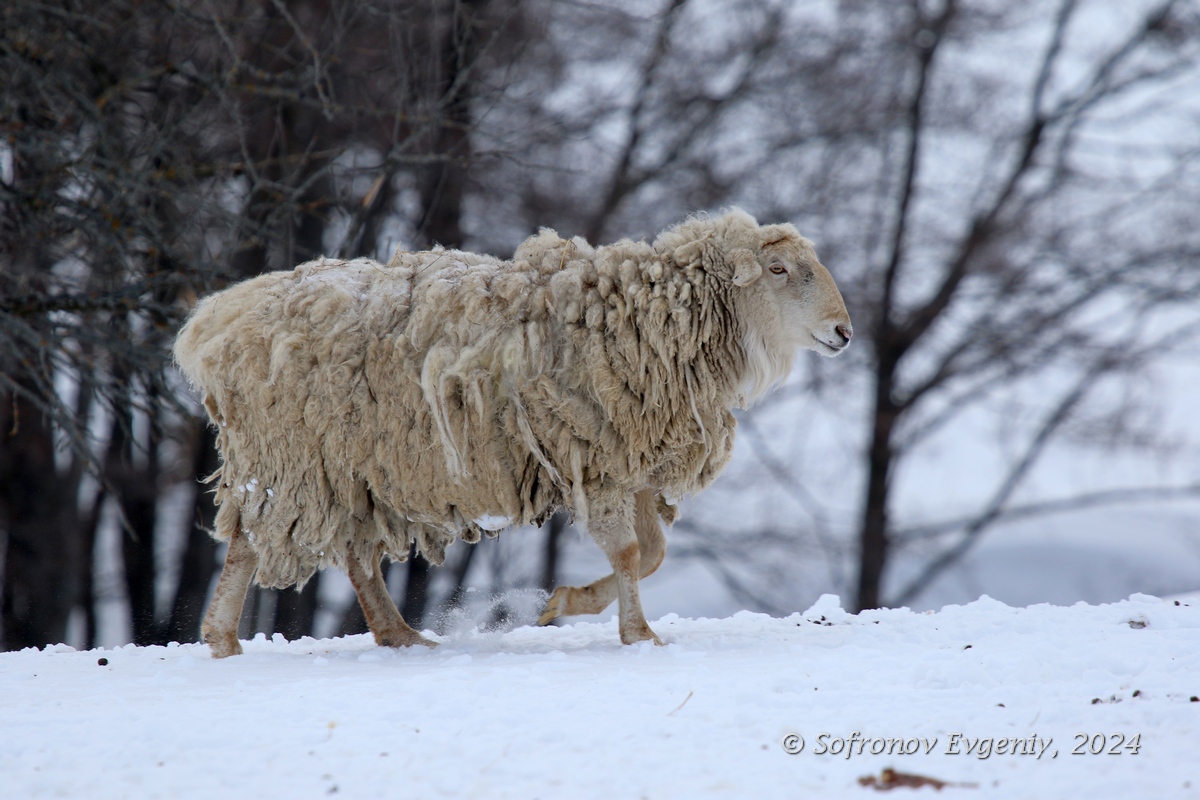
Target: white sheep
x,y
363,407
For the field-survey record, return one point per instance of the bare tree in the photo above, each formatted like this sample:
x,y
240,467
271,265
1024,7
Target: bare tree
x,y
1012,290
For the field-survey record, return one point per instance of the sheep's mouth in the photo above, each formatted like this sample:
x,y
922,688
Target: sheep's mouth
x,y
827,349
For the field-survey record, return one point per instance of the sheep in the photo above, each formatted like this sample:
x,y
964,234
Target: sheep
x,y
362,407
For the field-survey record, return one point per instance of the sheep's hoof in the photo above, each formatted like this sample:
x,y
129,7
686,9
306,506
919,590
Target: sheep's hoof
x,y
639,633
223,645
403,639
554,606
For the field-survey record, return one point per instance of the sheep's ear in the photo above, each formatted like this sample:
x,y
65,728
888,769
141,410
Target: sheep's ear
x,y
746,269
777,234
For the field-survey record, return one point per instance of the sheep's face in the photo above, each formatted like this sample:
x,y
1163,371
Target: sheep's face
x,y
798,304
788,302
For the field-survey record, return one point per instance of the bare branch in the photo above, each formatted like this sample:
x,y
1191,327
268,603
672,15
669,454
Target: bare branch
x,y
1108,497
620,185
994,507
933,34
779,472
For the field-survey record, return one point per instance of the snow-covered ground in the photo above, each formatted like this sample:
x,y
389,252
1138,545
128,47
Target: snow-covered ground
x,y
1097,702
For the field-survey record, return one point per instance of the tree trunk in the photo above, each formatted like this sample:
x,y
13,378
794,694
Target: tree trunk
x,y
554,530
137,492
416,590
873,536
87,526
87,570
199,555
458,595
353,621
295,612
445,184
37,515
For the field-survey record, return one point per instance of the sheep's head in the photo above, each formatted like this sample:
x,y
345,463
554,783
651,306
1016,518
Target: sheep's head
x,y
796,290
785,298
788,302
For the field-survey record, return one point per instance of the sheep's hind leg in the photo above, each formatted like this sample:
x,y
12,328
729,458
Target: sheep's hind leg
x,y
596,596
383,618
219,629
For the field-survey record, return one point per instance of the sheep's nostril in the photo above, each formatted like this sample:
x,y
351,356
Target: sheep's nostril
x,y
844,331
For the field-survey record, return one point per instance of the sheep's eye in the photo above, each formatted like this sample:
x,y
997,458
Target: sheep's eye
x,y
778,269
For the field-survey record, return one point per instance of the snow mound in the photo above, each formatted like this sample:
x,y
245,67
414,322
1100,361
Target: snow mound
x,y
1045,701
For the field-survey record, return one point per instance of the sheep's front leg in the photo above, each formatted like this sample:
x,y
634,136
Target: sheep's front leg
x,y
598,595
383,618
219,629
611,525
